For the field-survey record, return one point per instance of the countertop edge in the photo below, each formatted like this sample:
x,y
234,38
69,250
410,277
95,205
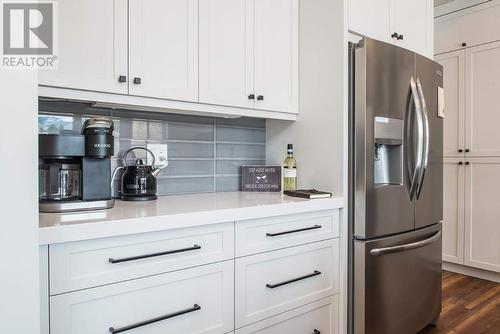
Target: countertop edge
x,y
97,230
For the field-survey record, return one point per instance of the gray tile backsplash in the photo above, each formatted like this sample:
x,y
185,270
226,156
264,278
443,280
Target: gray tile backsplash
x,y
204,153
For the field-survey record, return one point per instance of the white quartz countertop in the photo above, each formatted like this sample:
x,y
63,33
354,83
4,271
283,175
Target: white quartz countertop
x,y
171,212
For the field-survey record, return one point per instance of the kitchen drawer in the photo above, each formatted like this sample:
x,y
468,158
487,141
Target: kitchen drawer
x,y
462,27
197,300
85,264
320,317
261,235
274,282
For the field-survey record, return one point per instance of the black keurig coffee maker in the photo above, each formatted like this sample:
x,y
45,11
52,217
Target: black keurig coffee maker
x,y
75,170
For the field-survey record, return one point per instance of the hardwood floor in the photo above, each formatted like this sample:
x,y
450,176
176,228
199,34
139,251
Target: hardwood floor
x,y
470,306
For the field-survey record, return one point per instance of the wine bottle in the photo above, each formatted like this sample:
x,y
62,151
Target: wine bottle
x,y
290,170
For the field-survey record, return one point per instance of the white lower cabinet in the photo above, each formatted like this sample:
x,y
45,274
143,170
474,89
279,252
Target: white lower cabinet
x,y
191,280
198,300
453,210
320,317
482,212
270,283
84,264
262,235
470,222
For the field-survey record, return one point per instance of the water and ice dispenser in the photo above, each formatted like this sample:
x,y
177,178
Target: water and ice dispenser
x,y
388,154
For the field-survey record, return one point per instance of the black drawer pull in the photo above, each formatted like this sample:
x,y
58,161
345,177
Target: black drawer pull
x,y
272,286
139,257
113,330
316,331
315,227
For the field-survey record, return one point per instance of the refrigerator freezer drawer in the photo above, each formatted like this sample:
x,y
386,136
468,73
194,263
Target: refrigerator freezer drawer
x,y
397,282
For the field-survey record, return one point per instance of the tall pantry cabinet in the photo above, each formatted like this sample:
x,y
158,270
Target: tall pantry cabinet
x,y
471,63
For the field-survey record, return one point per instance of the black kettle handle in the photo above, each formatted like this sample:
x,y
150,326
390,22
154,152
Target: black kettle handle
x,y
137,148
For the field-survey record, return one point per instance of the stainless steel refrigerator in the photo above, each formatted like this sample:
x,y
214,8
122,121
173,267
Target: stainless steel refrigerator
x,y
396,189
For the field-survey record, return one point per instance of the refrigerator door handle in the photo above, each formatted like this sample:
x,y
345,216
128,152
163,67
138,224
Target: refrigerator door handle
x,y
425,153
414,171
405,247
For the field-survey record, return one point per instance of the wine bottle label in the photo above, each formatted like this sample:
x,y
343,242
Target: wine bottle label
x,y
289,172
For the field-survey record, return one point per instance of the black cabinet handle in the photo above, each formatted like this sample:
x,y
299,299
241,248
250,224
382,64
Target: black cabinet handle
x,y
467,163
395,35
467,150
400,37
272,286
251,97
137,81
464,44
113,330
460,163
122,78
460,151
315,227
139,257
260,98
316,331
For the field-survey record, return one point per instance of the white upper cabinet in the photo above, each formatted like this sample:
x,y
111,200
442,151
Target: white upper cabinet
x,y
412,21
482,88
276,58
473,26
370,18
454,85
249,53
163,49
226,52
224,57
406,23
92,52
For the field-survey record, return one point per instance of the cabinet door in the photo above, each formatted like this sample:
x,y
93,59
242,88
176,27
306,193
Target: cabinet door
x,y
226,52
482,137
453,210
270,283
414,20
197,300
473,26
163,52
317,317
92,52
454,101
482,212
370,18
276,54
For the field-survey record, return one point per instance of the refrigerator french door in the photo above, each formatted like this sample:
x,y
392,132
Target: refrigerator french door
x,y
396,195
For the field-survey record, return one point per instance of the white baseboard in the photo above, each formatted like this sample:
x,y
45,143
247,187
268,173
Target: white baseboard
x,y
474,272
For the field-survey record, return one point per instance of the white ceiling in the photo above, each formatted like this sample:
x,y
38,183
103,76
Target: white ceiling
x,y
440,2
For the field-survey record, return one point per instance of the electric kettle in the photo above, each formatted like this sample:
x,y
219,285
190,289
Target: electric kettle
x,y
138,181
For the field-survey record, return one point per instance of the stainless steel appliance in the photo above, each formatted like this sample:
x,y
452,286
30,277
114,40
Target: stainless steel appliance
x,y
396,189
74,169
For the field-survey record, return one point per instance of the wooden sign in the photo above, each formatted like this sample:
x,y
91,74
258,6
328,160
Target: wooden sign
x,y
261,178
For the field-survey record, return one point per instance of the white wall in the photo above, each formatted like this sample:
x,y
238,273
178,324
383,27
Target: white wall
x,y
19,276
317,134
